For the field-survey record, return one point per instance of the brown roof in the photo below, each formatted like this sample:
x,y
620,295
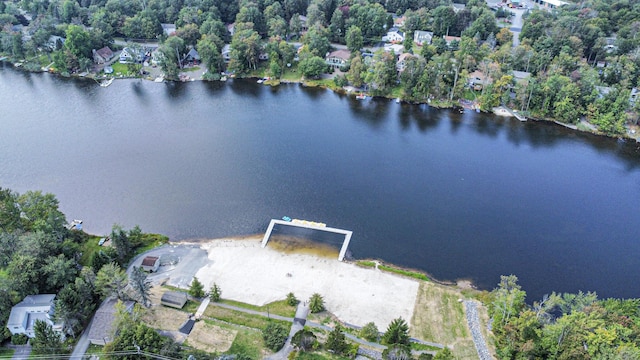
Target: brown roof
x,y
341,54
150,261
105,52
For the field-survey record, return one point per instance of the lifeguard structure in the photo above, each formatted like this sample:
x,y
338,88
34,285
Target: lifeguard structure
x,y
309,225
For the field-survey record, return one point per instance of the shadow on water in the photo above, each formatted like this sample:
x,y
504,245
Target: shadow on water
x,y
140,91
373,112
214,87
313,92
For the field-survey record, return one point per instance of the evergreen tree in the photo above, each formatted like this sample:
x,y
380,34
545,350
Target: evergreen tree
x,y
274,336
336,341
196,289
215,293
141,285
46,340
316,303
397,333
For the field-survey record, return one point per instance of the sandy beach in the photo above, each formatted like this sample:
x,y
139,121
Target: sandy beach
x,y
249,273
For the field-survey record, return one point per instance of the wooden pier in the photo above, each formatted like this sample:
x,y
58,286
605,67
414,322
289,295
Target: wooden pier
x,y
310,225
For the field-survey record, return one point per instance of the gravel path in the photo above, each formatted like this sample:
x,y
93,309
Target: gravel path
x,y
474,325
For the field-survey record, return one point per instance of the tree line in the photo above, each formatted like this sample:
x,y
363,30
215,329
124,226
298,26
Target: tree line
x,y
563,326
582,58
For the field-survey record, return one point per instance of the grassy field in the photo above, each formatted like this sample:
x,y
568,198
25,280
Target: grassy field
x,y
277,307
240,318
439,317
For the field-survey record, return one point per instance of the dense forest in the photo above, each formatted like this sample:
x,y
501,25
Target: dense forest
x,y
581,61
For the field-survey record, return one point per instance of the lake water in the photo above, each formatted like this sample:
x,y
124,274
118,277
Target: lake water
x,y
457,195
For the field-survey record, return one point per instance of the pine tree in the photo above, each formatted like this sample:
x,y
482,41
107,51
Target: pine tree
x,y
336,341
316,303
215,292
397,333
196,289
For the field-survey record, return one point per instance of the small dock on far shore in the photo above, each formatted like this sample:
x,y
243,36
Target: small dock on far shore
x,y
310,225
505,111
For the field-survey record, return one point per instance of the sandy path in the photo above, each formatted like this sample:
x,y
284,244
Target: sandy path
x,y
248,273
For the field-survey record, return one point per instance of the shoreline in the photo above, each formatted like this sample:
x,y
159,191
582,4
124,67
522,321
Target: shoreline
x,y
582,127
460,284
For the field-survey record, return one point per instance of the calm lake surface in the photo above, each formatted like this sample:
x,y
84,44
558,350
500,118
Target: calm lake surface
x,y
457,195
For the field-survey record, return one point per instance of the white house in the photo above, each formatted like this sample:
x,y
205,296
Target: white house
x,y
24,315
338,58
131,55
168,29
226,53
394,35
550,4
422,37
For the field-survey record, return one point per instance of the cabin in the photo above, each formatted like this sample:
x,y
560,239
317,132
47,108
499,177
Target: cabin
x,y
452,41
102,327
24,315
231,29
129,55
151,263
192,57
174,299
338,58
103,55
422,37
54,43
304,26
477,80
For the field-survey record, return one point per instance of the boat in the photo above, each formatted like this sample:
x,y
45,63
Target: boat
x,y
286,218
361,97
398,101
260,81
106,83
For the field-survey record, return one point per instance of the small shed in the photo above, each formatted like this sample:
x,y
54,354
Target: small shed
x,y
151,263
174,299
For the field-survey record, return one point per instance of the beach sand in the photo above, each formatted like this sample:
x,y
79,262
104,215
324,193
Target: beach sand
x,y
248,273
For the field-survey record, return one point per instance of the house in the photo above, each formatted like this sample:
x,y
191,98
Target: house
x,y
422,37
174,299
103,55
303,23
226,53
402,61
231,28
263,56
634,95
151,263
520,76
192,57
550,4
33,308
338,58
55,42
394,35
477,80
396,48
168,29
451,39
131,55
398,21
458,7
101,330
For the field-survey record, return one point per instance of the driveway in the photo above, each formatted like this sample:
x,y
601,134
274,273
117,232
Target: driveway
x,y
21,352
178,264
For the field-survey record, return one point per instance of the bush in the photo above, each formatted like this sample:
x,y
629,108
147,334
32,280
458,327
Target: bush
x,y
305,340
370,332
274,336
19,339
292,300
316,303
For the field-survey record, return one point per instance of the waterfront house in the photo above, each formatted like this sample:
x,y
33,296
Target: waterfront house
x,y
24,315
174,299
129,54
401,64
338,58
151,263
477,80
103,55
101,330
55,43
226,53
422,37
192,57
550,4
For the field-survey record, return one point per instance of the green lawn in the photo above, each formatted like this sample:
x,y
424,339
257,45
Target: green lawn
x,y
240,318
277,307
6,353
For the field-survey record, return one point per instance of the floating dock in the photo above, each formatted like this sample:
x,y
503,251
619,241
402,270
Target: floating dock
x,y
310,225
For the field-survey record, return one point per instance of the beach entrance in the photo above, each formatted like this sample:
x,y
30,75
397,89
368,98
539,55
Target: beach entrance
x,y
313,226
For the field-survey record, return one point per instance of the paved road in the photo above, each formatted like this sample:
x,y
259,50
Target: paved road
x,y
21,352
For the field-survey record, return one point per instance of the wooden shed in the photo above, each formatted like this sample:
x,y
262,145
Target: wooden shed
x,y
174,299
151,263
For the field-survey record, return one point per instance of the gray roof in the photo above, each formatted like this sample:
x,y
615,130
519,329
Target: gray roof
x,y
174,297
32,308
